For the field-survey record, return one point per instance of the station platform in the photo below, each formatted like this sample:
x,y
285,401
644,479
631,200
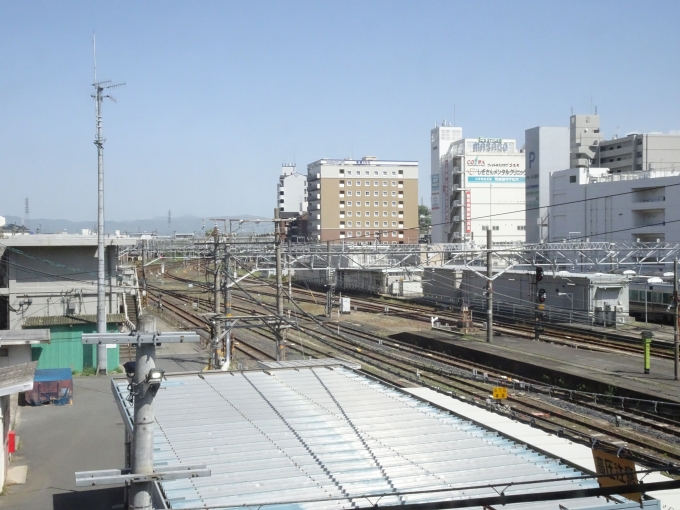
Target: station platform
x,y
558,365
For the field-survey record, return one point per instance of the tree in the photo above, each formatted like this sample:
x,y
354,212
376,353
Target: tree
x,y
424,219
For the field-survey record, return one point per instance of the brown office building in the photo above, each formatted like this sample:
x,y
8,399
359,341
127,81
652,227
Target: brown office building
x,y
362,201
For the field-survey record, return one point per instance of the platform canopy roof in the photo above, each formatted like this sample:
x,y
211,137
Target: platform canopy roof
x,y
330,437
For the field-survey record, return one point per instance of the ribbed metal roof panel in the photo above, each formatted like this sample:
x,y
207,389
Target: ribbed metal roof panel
x,y
316,438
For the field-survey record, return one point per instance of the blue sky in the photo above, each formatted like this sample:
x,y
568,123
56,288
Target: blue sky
x,y
219,94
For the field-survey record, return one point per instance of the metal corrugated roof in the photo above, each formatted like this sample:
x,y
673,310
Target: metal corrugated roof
x,y
306,363
68,320
313,438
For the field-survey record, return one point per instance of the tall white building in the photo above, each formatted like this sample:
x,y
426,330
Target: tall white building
x,y
441,137
291,191
487,182
546,150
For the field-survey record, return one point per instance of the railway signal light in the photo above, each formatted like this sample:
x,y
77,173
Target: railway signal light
x,y
541,295
539,274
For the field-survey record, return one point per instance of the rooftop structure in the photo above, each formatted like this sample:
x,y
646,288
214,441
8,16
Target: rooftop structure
x,y
313,438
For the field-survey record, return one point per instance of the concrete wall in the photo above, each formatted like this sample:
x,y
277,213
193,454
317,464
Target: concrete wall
x,y
54,276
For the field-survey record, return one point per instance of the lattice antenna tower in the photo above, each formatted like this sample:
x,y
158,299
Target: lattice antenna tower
x,y
100,87
169,219
26,212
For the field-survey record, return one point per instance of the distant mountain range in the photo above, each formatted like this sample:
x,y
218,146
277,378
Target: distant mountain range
x,y
180,224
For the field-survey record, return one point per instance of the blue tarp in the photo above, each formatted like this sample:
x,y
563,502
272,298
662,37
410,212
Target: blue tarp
x,y
52,374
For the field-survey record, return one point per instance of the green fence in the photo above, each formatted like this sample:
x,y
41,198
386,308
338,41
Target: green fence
x,y
66,349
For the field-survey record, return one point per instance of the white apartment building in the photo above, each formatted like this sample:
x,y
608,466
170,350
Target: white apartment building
x,y
291,192
604,206
365,200
441,137
639,152
487,191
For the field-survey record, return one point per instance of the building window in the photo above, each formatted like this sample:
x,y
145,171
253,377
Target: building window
x,y
349,203
367,172
394,223
367,233
342,203
342,194
521,227
359,233
384,172
376,193
342,184
385,212
342,234
572,178
384,183
349,194
342,223
401,204
367,193
401,184
376,204
394,204
342,170
394,193
394,183
375,172
358,213
394,213
349,234
349,172
349,213
485,227
394,173
376,183
384,193
376,213
368,204
394,234
495,227
401,172
367,183
384,223
376,224
349,183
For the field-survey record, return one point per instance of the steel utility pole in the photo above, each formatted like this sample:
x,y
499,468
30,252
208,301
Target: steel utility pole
x,y
489,287
279,284
329,281
676,318
217,300
227,341
290,280
99,96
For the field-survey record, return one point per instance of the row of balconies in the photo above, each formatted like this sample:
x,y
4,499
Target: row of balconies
x,y
399,215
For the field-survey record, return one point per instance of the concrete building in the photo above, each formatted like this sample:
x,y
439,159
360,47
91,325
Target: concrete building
x,y
546,150
363,200
291,192
635,152
570,297
487,190
441,137
50,281
596,205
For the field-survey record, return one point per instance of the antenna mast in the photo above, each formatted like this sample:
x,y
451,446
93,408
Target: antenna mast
x,y
99,88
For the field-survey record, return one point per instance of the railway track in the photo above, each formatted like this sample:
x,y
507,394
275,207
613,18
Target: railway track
x,y
405,363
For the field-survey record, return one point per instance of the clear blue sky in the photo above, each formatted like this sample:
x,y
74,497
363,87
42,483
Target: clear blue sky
x,y
220,93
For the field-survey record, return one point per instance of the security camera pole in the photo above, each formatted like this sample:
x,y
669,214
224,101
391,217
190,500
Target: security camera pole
x,y
146,381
